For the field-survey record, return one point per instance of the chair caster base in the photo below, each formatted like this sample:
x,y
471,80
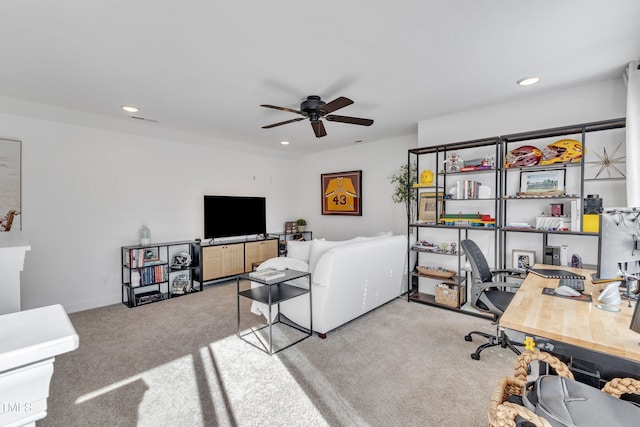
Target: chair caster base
x,y
475,356
468,338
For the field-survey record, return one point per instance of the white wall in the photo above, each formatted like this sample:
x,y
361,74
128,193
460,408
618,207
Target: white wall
x,y
86,192
601,101
377,160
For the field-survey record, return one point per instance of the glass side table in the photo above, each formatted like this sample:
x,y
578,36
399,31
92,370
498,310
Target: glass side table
x,y
273,292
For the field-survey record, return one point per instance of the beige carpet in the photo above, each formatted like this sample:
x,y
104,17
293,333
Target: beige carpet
x,y
179,363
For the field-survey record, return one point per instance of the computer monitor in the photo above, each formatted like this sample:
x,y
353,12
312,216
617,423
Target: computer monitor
x,y
619,247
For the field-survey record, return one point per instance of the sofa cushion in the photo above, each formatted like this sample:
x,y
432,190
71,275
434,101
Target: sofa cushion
x,y
381,235
299,249
321,246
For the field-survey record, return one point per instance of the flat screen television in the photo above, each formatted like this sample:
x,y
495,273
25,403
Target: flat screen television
x,y
227,216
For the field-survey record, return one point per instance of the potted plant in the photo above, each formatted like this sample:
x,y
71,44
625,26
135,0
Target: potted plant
x,y
402,193
301,223
404,179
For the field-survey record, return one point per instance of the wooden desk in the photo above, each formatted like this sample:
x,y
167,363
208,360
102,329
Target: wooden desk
x,y
573,328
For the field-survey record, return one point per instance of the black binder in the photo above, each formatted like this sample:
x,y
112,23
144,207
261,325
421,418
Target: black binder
x,y
550,273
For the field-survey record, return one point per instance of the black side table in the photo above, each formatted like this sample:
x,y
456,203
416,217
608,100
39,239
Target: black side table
x,y
273,292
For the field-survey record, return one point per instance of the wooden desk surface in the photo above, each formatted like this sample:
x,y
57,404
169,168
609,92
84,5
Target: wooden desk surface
x,y
574,322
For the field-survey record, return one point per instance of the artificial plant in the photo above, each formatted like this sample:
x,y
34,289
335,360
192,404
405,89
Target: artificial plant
x,y
404,179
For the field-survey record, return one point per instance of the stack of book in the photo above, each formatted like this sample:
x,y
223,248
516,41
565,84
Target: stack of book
x,y
467,189
547,222
153,274
474,220
268,274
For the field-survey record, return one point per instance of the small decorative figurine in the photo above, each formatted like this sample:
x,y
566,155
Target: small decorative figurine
x,y
426,177
488,161
453,247
454,163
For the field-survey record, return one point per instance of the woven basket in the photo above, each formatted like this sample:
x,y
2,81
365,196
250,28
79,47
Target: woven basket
x,y
520,367
448,295
502,413
619,386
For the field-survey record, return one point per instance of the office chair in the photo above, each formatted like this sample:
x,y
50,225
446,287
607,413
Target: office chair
x,y
487,296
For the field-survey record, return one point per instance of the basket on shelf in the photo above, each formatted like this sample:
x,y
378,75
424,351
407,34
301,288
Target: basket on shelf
x,y
436,272
448,295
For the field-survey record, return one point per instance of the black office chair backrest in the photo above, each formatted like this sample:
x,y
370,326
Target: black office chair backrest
x,y
479,265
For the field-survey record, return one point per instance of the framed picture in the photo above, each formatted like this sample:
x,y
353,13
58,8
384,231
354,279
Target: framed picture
x,y
151,254
427,207
10,174
540,182
341,193
290,227
523,259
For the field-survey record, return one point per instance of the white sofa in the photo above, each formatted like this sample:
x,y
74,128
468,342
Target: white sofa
x,y
349,278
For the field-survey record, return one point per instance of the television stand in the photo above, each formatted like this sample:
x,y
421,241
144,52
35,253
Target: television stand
x,y
232,257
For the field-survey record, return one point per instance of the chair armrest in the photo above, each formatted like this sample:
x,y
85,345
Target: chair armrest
x,y
510,272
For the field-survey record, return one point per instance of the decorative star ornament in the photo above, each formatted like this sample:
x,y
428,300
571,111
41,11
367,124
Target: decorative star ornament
x,y
608,162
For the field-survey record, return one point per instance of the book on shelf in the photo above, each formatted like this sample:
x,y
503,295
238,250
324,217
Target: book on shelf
x,y
550,273
268,274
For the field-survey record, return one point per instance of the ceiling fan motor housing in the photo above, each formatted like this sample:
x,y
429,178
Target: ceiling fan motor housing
x,y
311,105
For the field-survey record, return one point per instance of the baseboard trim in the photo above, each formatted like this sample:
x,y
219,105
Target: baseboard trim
x,y
88,305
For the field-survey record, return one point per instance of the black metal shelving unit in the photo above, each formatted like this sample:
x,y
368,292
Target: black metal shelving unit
x,y
153,265
444,204
499,178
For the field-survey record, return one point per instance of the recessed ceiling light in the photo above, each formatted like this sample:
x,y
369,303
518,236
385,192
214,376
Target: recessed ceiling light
x,y
284,142
528,81
130,108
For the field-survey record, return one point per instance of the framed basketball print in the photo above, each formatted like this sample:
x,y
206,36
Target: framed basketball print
x,y
341,193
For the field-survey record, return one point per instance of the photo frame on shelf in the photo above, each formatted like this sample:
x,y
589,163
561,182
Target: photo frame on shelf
x,y
523,259
541,182
290,227
341,193
427,207
151,254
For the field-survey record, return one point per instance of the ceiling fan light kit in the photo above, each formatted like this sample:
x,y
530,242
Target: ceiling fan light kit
x,y
315,109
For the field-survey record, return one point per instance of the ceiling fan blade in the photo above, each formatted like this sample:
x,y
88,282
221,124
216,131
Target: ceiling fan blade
x,y
334,105
275,107
350,120
318,128
283,123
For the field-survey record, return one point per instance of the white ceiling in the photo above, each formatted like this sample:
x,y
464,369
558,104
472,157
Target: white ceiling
x,y
205,66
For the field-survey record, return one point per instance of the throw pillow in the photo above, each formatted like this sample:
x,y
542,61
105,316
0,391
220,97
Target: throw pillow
x,y
299,249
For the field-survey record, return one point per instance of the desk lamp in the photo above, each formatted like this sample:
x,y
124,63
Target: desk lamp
x,y
609,297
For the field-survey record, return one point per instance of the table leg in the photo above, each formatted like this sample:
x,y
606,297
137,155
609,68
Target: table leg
x,y
270,323
238,302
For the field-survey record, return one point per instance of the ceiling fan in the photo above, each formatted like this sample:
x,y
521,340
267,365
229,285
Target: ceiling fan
x,y
315,109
